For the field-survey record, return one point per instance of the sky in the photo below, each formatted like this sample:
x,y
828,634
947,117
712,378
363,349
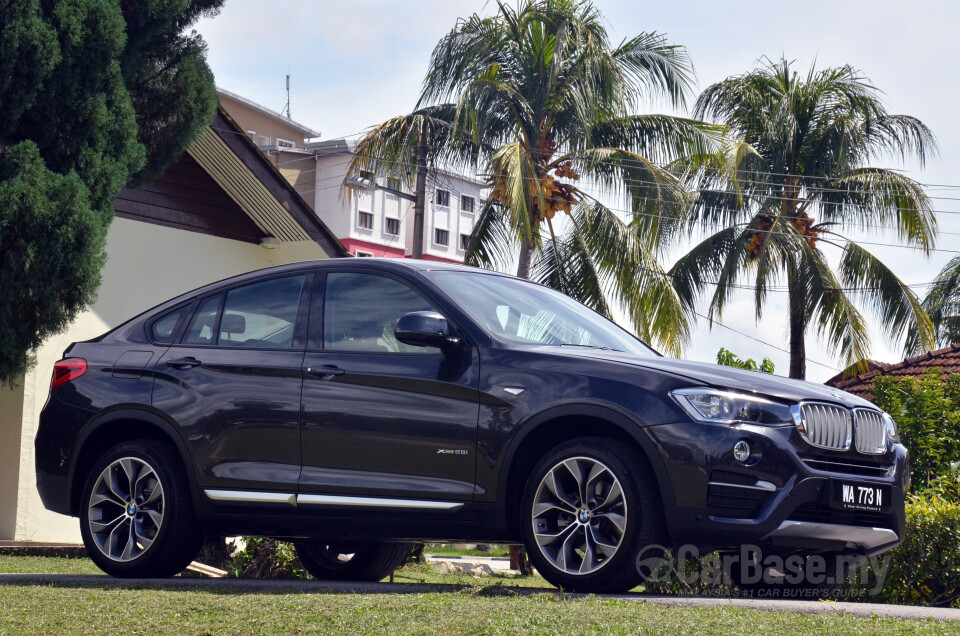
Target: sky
x,y
354,64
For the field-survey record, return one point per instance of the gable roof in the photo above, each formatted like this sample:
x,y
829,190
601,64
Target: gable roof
x,y
285,208
946,359
224,186
272,114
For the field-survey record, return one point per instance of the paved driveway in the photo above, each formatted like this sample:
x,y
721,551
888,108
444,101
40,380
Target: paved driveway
x,y
257,585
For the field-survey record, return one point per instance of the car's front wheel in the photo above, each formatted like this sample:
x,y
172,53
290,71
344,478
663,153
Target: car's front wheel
x,y
589,507
351,560
136,516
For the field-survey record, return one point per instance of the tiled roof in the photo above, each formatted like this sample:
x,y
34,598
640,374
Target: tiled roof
x,y
947,359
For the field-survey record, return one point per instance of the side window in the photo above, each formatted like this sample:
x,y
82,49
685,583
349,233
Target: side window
x,y
262,315
164,328
361,311
204,322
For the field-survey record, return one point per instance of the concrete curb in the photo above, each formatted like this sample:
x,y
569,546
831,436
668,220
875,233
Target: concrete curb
x,y
312,587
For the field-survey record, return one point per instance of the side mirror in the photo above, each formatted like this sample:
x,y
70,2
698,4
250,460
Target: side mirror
x,y
425,329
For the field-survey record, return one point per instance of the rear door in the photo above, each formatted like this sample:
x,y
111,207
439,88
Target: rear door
x,y
233,385
382,419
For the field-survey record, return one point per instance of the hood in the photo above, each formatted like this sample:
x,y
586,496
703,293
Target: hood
x,y
723,377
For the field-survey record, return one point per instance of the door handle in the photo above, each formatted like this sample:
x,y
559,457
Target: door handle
x,y
325,372
184,363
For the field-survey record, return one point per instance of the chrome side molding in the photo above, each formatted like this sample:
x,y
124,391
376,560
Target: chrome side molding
x,y
376,502
256,496
252,496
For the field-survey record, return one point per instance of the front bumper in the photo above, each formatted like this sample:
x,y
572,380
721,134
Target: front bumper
x,y
780,498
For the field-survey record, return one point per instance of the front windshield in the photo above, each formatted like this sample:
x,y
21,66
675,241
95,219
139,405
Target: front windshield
x,y
522,312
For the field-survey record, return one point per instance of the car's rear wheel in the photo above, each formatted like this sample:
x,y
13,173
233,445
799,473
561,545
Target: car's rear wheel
x,y
136,517
351,560
589,507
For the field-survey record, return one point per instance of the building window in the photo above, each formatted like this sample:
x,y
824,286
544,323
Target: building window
x,y
365,221
464,241
393,183
441,237
393,226
363,254
366,174
264,141
285,143
252,134
466,203
443,198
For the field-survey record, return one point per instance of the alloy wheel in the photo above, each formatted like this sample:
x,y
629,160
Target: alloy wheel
x,y
126,507
579,515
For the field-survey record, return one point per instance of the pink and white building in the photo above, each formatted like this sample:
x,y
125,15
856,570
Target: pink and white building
x,y
371,220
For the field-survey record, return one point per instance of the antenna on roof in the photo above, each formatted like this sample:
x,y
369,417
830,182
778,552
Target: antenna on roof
x,y
287,107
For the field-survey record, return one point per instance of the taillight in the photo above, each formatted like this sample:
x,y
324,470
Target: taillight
x,y
67,370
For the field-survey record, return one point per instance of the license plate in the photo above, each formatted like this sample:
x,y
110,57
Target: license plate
x,y
851,495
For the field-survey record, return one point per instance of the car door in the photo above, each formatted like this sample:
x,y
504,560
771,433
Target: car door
x,y
382,419
232,384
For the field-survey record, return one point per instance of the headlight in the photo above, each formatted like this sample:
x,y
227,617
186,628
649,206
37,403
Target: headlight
x,y
892,433
727,407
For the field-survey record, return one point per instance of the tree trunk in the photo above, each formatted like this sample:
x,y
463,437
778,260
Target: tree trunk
x,y
526,256
421,192
798,325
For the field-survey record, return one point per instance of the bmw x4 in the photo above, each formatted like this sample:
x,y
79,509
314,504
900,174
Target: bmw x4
x,y
354,406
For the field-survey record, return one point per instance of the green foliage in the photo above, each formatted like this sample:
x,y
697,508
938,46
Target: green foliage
x,y
69,142
943,304
799,173
730,359
925,568
263,558
165,70
927,412
538,97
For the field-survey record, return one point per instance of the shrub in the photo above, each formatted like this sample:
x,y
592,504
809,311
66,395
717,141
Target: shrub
x,y
925,568
266,559
927,411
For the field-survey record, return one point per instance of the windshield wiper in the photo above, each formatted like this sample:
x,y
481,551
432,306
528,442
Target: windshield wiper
x,y
586,346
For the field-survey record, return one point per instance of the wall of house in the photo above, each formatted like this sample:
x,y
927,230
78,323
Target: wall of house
x,y
11,421
263,125
147,264
299,169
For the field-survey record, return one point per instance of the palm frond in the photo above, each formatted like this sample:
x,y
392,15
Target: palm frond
x,y
634,277
492,243
898,308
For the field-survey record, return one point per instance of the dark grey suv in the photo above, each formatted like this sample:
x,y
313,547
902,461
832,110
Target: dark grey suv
x,y
354,406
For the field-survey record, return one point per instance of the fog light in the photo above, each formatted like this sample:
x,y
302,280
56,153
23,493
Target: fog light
x,y
741,451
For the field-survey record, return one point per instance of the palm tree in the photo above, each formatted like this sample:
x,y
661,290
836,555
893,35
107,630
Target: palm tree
x,y
943,305
545,107
419,140
799,176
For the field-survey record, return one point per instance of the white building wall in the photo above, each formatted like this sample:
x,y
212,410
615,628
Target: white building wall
x,y
147,264
453,218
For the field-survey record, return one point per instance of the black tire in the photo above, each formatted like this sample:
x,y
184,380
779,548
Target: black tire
x,y
769,582
351,560
177,540
642,524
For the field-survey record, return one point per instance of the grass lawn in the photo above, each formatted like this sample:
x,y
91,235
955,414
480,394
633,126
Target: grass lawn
x,y
445,549
485,608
